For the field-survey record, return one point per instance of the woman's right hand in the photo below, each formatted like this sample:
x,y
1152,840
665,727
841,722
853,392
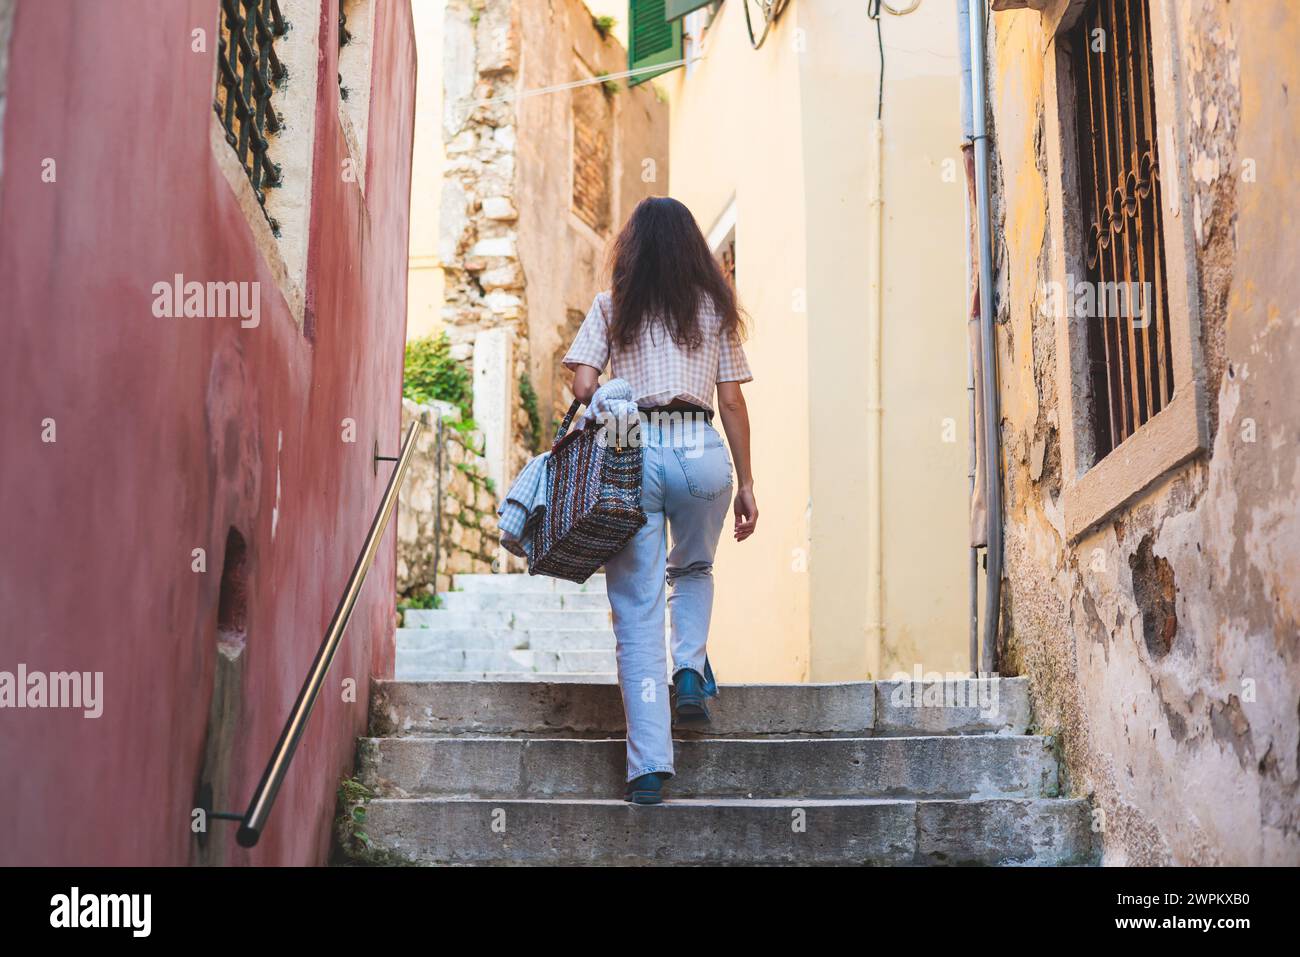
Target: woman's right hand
x,y
746,513
735,420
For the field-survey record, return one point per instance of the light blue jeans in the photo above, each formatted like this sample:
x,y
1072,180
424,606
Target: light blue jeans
x,y
686,491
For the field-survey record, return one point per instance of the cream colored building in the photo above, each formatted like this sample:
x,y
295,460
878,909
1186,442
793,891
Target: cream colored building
x,y
859,567
424,279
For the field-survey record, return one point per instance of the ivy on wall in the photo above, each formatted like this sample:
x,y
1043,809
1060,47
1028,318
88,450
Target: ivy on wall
x,y
528,396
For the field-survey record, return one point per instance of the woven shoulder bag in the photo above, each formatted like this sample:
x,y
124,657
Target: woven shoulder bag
x,y
593,503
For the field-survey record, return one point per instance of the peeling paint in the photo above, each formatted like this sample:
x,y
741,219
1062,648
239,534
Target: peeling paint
x,y
1163,647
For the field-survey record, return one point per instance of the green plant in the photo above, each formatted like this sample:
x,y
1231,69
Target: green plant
x,y
528,396
420,602
431,373
355,844
609,86
465,431
604,25
352,797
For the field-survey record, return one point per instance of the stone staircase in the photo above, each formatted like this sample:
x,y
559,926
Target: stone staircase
x,y
527,767
514,627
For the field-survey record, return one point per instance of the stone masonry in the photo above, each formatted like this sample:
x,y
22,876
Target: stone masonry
x,y
478,241
467,529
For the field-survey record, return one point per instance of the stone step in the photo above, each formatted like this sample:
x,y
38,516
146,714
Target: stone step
x,y
444,660
538,639
947,767
503,619
478,601
488,582
719,831
590,709
518,677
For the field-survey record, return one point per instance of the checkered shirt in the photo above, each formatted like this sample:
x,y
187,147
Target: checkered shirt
x,y
658,369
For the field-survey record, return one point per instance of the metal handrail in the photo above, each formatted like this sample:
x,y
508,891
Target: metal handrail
x,y
259,808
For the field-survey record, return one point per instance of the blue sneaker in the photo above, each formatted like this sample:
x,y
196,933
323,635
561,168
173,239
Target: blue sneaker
x,y
647,789
692,695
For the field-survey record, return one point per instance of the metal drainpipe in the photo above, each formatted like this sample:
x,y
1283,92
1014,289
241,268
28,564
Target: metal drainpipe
x,y
972,473
875,413
988,340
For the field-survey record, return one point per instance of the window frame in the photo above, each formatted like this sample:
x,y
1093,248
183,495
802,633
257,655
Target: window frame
x,y
356,73
597,235
1092,489
724,231
295,151
669,54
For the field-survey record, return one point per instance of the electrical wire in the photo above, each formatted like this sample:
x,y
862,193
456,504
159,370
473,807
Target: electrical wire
x,y
873,12
588,81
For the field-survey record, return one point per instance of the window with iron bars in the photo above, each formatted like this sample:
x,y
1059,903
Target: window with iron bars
x,y
344,39
1129,352
248,73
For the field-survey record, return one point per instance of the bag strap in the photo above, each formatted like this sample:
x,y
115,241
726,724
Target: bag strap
x,y
568,420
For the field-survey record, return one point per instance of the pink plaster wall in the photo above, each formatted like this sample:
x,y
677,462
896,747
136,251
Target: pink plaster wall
x,y
168,433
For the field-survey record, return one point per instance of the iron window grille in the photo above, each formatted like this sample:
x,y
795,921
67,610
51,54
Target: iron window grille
x,y
1129,356
344,39
248,73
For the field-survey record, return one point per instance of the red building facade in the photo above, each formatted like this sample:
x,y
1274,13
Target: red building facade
x,y
185,495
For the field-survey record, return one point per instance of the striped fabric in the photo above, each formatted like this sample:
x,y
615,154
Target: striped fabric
x,y
593,494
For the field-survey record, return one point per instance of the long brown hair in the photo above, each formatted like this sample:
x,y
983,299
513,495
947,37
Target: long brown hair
x,y
663,268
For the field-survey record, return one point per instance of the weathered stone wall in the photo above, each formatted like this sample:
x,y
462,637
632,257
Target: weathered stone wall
x,y
1163,647
478,240
466,533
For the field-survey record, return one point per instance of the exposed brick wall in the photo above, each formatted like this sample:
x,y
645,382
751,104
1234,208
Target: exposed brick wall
x,y
593,125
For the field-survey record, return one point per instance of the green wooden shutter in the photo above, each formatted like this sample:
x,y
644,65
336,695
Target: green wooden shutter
x,y
652,38
679,8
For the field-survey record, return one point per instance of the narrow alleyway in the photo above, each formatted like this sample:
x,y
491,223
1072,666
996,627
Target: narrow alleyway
x,y
294,291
